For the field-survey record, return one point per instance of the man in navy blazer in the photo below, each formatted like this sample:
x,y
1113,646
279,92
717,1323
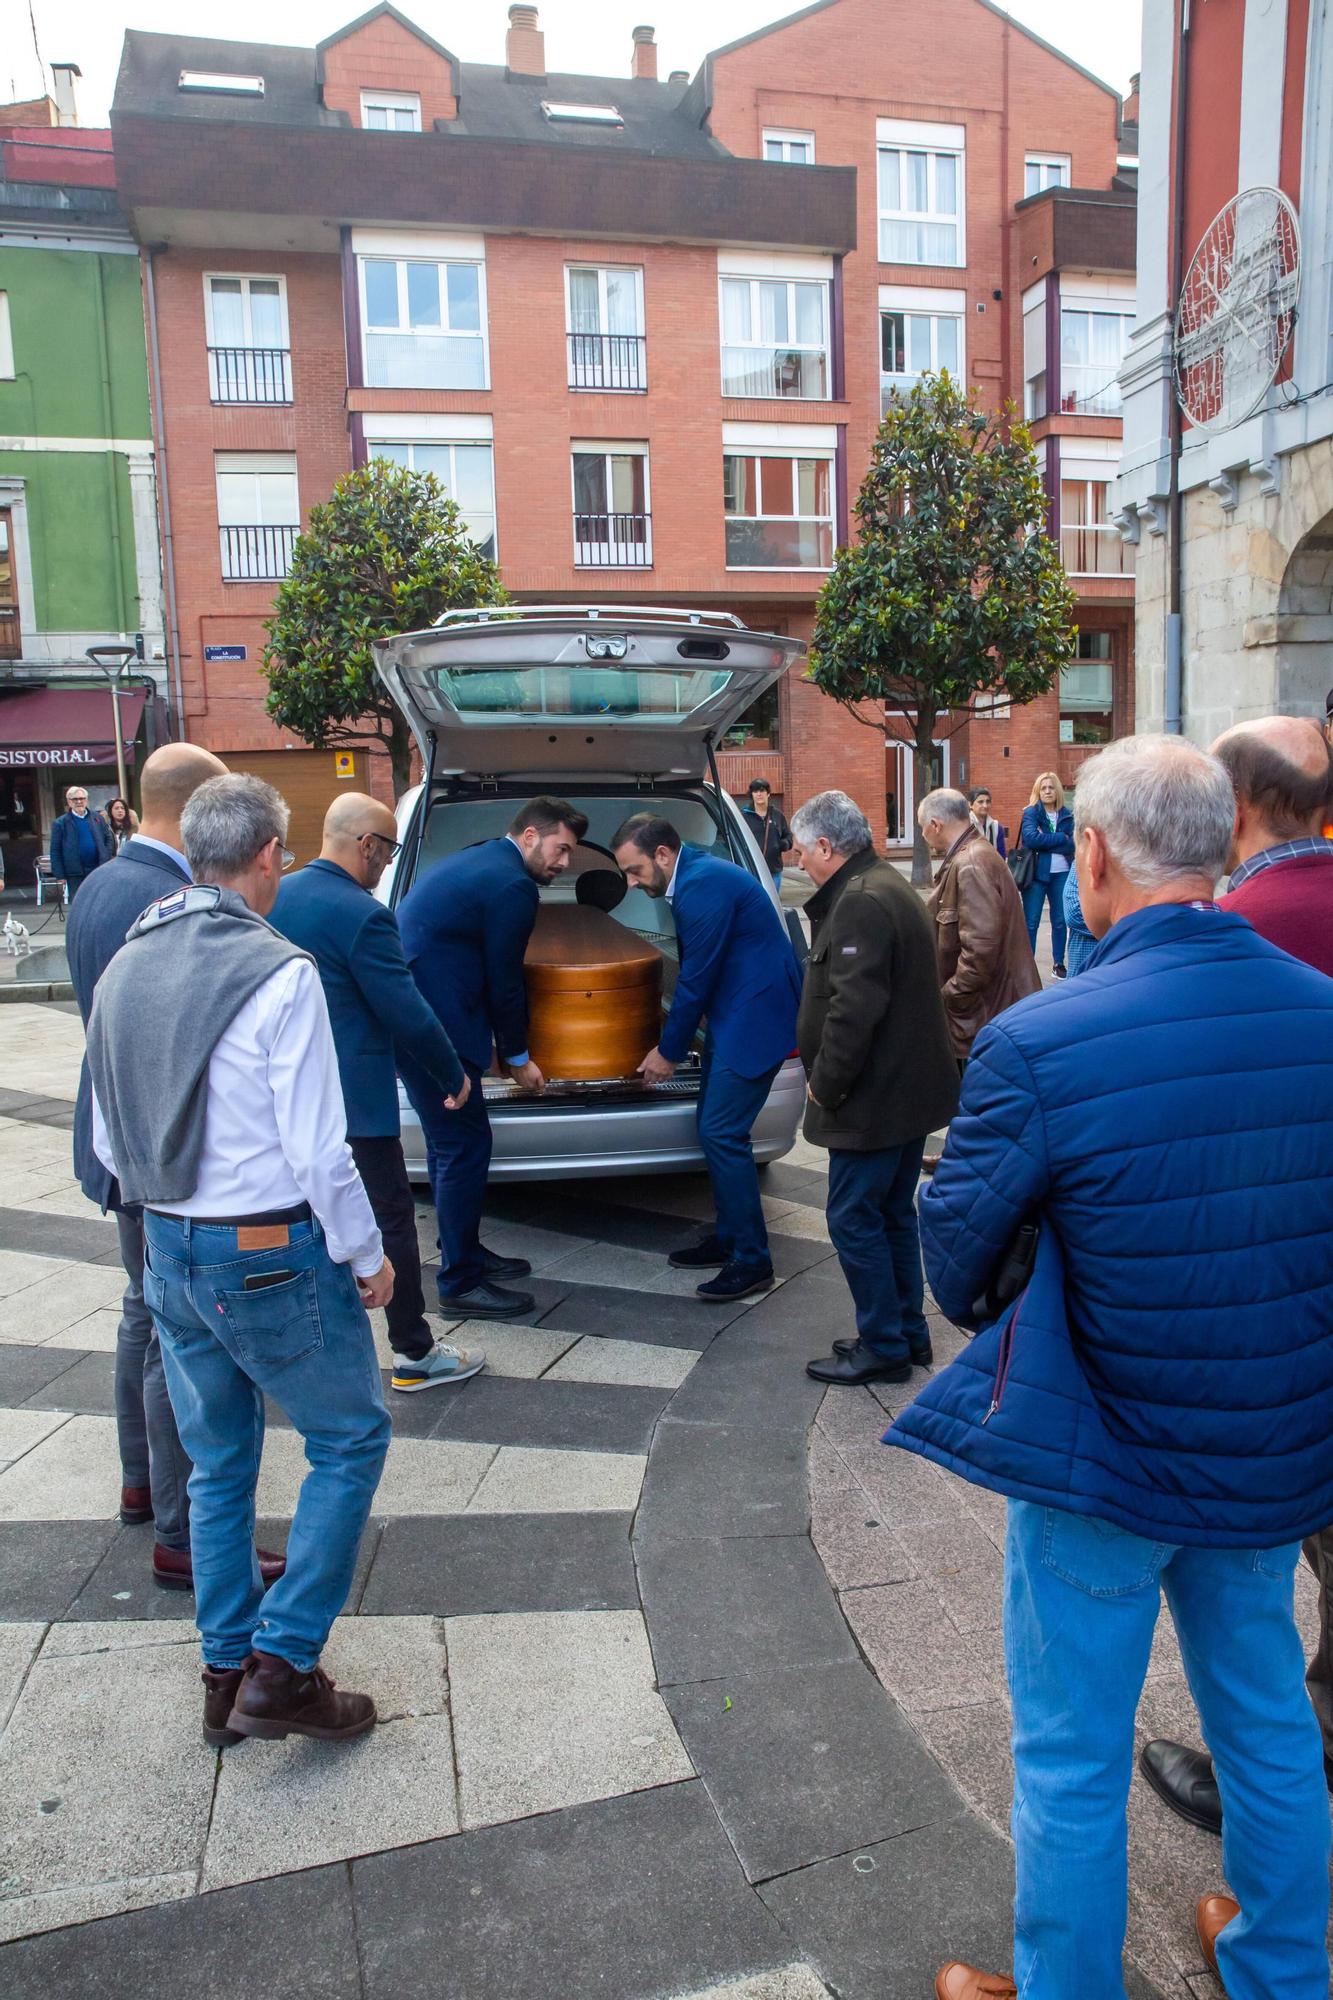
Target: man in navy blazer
x,y
738,968
465,928
154,1465
81,842
375,1011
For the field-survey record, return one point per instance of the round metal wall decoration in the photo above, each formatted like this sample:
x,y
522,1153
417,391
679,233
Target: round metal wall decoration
x,y
1237,309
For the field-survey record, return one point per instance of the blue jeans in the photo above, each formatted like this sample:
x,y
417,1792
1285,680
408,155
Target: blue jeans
x,y
1081,1601
306,1343
872,1225
458,1159
1035,896
728,1107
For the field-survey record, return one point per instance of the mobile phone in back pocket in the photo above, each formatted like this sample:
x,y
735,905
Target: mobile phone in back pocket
x,y
260,1281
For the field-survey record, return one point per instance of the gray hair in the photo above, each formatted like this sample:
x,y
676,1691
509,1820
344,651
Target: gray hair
x,y
227,821
945,805
833,817
1164,807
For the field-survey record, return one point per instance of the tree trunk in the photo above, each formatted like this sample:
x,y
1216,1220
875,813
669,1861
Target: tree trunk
x,y
923,764
400,755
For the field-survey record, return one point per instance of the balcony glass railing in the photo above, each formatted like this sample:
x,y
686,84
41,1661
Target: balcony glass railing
x,y
774,371
613,541
256,555
1089,389
616,361
1094,551
250,374
779,544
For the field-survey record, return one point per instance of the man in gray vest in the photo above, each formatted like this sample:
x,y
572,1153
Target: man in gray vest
x,y
227,1125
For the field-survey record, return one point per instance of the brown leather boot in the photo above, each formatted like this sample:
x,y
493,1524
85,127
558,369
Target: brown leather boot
x,y
220,1685
957,1981
136,1505
173,1570
276,1699
1212,1914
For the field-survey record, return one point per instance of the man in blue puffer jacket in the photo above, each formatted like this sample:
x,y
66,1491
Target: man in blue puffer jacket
x,y
1158,1406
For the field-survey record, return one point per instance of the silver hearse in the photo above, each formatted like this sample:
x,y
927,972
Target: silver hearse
x,y
620,711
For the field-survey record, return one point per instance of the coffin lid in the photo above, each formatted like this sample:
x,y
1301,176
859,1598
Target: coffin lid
x,y
586,690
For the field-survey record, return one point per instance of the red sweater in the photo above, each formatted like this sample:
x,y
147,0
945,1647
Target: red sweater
x,y
1291,904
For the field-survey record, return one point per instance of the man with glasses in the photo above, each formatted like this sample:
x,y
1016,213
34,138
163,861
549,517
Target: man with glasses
x,y
377,1014
80,841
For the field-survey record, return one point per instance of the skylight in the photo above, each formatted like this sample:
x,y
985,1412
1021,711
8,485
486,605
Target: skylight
x,y
582,114
223,81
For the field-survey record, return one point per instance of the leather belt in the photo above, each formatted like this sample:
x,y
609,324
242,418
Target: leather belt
x,y
271,1218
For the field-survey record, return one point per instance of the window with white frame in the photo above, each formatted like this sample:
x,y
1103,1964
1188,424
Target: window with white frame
x,y
612,511
1045,170
6,340
424,321
1092,345
797,149
1034,352
604,333
778,508
466,471
249,347
918,335
259,513
390,111
1090,542
775,336
920,193
1087,691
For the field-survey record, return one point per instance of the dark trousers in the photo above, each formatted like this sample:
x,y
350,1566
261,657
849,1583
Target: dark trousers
x,y
1319,1680
873,1227
458,1154
1035,897
728,1107
382,1169
151,1453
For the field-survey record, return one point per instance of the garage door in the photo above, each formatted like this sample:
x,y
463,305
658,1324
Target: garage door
x,y
309,780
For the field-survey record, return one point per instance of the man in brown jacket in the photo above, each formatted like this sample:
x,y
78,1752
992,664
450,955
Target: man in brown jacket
x,y
981,940
873,1039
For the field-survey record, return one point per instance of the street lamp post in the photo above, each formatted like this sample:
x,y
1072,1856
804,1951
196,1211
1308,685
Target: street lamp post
x,y
113,660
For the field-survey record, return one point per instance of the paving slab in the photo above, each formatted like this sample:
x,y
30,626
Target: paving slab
x,y
974,1743
662,1320
805,1764
743,1605
918,1652
419,1477
21,1432
878,1924
553,1709
521,1351
62,1237
789,1982
550,1415
719,1479
750,1377
854,1546
18,1650
25,1370
522,1481
289,1939
19,1269
95,1333
45,1564
503,1562
625,1361
89,1386
634,1898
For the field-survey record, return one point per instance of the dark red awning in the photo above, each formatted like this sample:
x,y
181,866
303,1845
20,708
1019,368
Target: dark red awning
x,y
51,727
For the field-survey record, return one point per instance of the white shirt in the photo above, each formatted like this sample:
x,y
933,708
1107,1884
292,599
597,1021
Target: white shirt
x,y
274,1123
164,847
671,885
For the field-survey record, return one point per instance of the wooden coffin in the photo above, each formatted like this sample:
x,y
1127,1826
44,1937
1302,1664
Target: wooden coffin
x,y
594,994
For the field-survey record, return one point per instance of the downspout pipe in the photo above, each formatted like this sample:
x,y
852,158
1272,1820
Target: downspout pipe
x,y
164,501
1173,719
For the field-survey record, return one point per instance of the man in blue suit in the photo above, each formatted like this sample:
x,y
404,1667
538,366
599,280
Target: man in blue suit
x,y
80,842
738,968
465,927
376,1011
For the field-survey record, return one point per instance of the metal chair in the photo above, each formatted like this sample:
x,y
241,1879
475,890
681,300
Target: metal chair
x,y
47,882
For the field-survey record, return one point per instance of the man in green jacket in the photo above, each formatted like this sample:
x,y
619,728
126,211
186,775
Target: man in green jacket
x,y
875,1043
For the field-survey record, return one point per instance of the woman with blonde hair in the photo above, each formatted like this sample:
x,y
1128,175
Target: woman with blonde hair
x,y
1048,834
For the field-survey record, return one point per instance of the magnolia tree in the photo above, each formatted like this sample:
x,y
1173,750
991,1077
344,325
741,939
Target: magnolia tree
x,y
953,592
388,552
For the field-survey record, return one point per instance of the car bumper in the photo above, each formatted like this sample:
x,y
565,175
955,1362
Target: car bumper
x,y
580,1140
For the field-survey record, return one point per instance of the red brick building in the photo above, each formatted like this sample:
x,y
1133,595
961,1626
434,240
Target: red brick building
x,y
640,329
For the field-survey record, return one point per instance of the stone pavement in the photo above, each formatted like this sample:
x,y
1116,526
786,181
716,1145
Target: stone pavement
x,y
639,1736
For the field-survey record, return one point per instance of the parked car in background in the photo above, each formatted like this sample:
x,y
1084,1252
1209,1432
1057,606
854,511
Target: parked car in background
x,y
619,711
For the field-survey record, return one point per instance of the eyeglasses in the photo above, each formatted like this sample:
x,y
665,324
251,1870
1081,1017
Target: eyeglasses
x,y
288,858
394,846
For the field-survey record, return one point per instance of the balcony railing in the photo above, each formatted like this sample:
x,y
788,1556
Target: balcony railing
x,y
1089,389
257,555
779,544
766,372
613,541
250,374
608,361
11,641
1095,550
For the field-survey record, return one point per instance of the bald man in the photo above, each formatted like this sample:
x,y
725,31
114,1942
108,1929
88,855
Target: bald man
x,y
1281,770
377,1014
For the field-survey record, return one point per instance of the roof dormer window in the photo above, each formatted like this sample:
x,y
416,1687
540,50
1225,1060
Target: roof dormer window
x,y
221,81
390,111
581,114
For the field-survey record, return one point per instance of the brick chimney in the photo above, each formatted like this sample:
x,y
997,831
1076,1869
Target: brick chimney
x,y
62,84
525,44
679,76
1130,111
644,62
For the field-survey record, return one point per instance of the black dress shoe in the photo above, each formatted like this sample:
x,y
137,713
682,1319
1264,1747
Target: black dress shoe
x,y
485,1301
736,1281
922,1357
859,1364
1183,1779
497,1267
705,1256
